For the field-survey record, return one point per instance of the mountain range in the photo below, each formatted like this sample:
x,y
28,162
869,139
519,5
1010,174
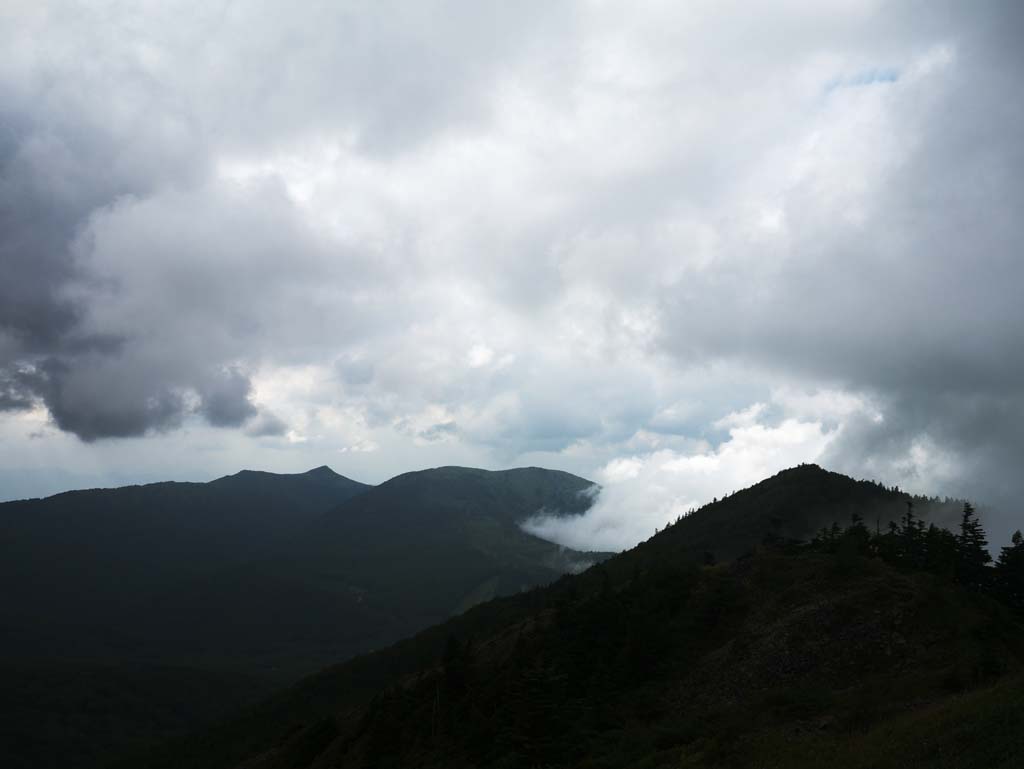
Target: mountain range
x,y
249,581
269,574
718,641
787,654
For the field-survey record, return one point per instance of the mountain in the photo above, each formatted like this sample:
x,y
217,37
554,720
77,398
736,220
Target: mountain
x,y
265,573
782,656
231,587
795,504
63,714
404,555
449,529
83,559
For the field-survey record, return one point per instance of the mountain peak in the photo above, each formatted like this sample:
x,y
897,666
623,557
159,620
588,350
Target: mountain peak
x,y
323,470
804,468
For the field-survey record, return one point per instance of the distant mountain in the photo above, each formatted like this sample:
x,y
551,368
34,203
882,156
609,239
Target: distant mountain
x,y
266,573
248,580
83,558
783,656
404,555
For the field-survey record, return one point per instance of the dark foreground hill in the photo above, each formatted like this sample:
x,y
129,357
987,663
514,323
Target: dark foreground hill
x,y
239,585
783,657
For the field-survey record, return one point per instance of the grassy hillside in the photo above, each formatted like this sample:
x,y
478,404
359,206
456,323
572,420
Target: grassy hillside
x,y
781,657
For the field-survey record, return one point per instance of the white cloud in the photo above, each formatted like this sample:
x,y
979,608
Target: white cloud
x,y
826,404
644,492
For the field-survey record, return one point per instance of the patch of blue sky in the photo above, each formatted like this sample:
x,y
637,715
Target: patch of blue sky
x,y
876,76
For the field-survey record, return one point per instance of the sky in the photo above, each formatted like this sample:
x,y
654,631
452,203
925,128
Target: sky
x,y
671,247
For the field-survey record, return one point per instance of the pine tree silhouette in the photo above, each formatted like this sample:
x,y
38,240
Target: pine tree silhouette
x,y
972,550
1010,572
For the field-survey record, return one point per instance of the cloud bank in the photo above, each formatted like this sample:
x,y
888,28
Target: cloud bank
x,y
387,236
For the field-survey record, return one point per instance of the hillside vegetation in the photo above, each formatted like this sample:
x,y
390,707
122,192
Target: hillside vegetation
x,y
86,561
842,652
244,583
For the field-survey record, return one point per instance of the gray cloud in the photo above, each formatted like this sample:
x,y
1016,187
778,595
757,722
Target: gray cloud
x,y
225,401
266,425
16,390
91,401
572,232
908,300
439,431
129,274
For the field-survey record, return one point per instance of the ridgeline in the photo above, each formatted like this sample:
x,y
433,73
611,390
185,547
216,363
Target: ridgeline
x,y
773,628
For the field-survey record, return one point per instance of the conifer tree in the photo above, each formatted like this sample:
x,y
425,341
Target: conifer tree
x,y
972,550
857,533
1010,572
941,551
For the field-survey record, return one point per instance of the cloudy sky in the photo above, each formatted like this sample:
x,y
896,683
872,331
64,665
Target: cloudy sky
x,y
673,247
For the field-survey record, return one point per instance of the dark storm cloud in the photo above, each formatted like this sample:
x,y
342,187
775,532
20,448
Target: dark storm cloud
x,y
83,397
60,161
44,197
15,390
266,425
225,400
108,140
33,238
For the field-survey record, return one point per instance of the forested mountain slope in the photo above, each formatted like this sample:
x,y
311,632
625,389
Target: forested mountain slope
x,y
788,655
247,582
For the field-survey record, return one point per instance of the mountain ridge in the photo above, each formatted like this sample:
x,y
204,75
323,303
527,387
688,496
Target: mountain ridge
x,y
750,647
254,577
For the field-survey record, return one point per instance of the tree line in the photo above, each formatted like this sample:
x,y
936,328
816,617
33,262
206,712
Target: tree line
x,y
909,544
